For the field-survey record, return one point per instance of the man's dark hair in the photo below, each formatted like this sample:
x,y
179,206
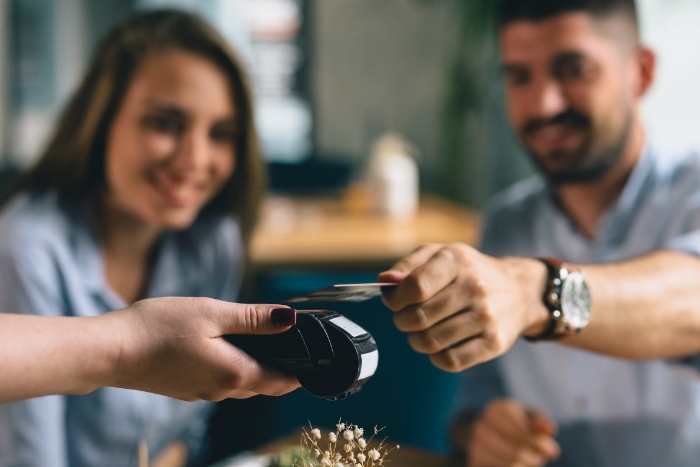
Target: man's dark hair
x,y
535,10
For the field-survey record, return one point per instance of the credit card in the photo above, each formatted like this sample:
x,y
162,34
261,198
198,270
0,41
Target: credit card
x,y
344,293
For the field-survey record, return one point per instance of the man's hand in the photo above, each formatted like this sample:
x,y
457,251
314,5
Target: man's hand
x,y
508,435
462,307
174,347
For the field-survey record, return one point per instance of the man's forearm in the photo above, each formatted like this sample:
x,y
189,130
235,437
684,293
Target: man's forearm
x,y
644,308
52,355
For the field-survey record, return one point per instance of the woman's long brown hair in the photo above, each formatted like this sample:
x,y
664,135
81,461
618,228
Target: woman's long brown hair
x,y
73,164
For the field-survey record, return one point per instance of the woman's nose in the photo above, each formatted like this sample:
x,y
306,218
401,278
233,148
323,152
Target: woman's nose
x,y
193,151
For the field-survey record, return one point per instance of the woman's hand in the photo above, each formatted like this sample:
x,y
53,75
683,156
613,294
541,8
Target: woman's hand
x,y
174,347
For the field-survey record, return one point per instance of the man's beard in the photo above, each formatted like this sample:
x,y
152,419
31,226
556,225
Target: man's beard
x,y
592,160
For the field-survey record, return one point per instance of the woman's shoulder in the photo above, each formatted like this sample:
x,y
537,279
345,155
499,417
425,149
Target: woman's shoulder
x,y
32,220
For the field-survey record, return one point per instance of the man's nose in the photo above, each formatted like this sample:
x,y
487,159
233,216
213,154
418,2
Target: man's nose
x,y
548,100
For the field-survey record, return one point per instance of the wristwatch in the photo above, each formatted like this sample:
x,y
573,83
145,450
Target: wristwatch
x,y
567,298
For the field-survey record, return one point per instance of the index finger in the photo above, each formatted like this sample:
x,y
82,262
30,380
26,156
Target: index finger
x,y
405,266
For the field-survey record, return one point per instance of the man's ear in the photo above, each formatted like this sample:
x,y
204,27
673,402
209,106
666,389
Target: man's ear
x,y
646,70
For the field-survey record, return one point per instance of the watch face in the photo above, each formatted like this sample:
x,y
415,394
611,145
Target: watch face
x,y
576,300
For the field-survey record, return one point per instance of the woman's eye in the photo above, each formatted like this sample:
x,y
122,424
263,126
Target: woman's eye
x,y
164,124
225,135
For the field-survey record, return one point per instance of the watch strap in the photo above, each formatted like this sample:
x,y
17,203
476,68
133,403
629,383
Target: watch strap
x,y
552,301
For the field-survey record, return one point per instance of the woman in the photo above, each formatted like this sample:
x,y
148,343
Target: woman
x,y
148,188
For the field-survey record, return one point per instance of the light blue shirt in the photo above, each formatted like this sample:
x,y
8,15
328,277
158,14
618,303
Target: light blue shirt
x,y
611,412
50,264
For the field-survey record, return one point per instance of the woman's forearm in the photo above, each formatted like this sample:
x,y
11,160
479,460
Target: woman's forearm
x,y
53,355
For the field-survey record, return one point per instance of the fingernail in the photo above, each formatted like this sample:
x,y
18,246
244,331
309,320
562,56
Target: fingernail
x,y
283,316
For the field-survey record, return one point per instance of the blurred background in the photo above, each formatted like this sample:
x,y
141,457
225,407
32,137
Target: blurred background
x,y
330,78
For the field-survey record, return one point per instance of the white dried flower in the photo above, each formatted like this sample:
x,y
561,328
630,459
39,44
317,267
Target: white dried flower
x,y
339,464
337,457
332,437
361,457
317,452
327,454
316,433
340,426
374,454
348,447
348,435
362,443
359,432
326,463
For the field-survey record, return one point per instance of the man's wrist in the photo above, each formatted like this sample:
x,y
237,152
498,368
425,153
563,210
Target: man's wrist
x,y
530,277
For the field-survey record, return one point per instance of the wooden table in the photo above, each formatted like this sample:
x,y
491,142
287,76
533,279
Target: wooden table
x,y
326,233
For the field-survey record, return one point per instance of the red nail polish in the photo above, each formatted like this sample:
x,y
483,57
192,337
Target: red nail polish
x,y
284,316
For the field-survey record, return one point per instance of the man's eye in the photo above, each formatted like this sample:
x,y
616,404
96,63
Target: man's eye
x,y
573,71
164,124
516,77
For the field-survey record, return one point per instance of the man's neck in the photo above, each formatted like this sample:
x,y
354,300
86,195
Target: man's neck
x,y
585,203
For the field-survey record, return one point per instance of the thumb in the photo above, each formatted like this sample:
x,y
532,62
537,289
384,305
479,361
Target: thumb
x,y
239,318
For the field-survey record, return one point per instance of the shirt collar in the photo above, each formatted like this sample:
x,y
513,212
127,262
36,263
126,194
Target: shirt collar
x,y
168,278
617,219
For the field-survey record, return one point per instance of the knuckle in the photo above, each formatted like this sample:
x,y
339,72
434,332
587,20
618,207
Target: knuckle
x,y
479,287
496,341
429,341
420,284
420,318
484,316
452,362
428,247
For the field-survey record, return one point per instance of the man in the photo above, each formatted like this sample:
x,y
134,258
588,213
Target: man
x,y
168,346
626,219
